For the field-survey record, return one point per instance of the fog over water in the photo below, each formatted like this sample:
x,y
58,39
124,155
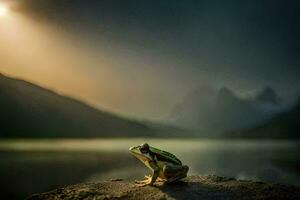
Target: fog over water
x,y
137,68
31,166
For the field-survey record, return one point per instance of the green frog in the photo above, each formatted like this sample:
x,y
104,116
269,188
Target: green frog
x,y
165,167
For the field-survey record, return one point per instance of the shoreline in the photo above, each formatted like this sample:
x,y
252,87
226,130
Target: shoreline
x,y
193,187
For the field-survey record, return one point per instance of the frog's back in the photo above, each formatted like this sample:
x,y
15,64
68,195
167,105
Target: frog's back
x,y
165,156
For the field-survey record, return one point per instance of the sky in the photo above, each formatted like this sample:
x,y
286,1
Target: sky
x,y
139,58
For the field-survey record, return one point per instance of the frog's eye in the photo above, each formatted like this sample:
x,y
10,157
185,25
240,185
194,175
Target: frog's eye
x,y
144,148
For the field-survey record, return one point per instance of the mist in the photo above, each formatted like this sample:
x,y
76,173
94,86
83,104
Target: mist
x,y
209,88
140,63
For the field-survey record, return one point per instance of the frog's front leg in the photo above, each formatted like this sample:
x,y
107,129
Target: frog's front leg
x,y
145,180
157,180
150,180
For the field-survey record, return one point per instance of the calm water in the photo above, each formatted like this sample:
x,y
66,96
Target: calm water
x,y
29,166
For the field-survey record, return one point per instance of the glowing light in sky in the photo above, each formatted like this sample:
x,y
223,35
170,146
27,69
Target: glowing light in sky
x,y
3,10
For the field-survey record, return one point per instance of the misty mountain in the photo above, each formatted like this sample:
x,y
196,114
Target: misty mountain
x,y
283,125
187,113
28,110
268,102
268,96
212,112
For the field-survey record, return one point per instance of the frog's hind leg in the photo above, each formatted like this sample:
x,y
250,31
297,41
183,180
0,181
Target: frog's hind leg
x,y
175,173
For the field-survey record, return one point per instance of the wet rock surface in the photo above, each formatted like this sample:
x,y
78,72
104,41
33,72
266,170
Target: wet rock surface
x,y
192,187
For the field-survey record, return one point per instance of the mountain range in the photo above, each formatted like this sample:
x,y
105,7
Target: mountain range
x,y
212,112
28,110
284,125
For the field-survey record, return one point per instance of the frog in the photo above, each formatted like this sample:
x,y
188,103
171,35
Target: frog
x,y
165,167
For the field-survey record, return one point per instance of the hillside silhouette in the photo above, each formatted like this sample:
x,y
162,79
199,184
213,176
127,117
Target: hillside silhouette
x,y
28,110
283,125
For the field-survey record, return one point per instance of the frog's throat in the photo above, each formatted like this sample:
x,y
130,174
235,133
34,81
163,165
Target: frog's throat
x,y
142,157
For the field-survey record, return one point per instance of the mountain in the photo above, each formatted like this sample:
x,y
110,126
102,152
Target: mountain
x,y
284,125
28,110
212,112
192,109
268,96
268,102
231,112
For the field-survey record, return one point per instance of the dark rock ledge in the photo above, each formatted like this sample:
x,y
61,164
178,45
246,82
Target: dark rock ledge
x,y
192,187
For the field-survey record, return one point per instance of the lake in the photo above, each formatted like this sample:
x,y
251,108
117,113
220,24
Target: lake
x,y
37,165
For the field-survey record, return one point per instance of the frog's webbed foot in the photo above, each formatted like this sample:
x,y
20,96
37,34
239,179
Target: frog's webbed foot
x,y
147,176
143,184
146,180
160,180
142,181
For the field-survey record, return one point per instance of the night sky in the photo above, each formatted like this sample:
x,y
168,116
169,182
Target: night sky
x,y
142,57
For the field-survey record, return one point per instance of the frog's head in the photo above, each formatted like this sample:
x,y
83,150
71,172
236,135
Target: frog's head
x,y
142,152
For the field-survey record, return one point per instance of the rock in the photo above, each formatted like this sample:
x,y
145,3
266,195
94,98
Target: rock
x,y
192,187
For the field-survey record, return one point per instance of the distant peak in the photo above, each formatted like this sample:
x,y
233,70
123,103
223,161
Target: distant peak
x,y
224,92
268,95
226,95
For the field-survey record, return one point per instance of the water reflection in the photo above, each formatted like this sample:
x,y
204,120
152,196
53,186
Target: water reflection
x,y
28,166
